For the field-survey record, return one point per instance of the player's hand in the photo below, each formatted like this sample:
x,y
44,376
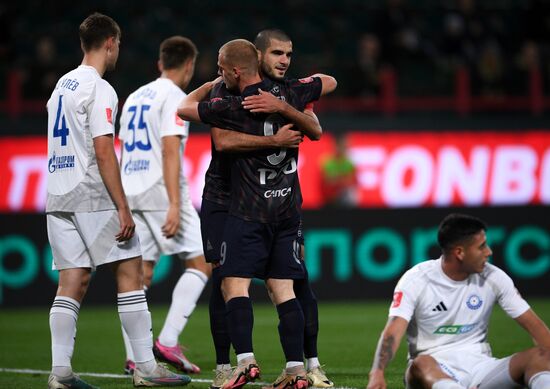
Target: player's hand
x,y
172,223
127,225
287,137
264,102
376,380
217,80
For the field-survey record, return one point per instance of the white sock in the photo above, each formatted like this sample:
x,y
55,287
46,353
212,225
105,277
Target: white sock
x,y
127,345
294,364
63,318
447,383
540,380
225,366
242,356
136,321
312,363
184,299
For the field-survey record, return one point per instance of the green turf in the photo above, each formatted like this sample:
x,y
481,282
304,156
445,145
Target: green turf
x,y
349,332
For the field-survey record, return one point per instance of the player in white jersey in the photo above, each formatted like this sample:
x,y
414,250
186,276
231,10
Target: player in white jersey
x,y
444,306
153,141
88,217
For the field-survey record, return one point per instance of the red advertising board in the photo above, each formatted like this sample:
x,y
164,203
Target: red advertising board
x,y
393,169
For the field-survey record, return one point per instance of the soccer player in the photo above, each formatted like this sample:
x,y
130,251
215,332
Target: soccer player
x,y
444,306
154,139
275,48
264,213
88,218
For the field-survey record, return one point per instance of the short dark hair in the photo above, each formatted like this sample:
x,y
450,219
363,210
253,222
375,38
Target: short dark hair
x,y
458,228
264,37
96,29
176,50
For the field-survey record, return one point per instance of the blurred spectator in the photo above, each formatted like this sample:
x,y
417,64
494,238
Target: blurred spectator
x,y
43,72
489,76
339,183
366,71
528,59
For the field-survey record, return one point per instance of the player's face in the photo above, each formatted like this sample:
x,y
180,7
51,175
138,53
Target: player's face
x,y
226,72
112,51
276,59
476,253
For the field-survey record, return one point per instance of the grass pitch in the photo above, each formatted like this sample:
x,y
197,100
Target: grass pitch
x,y
347,340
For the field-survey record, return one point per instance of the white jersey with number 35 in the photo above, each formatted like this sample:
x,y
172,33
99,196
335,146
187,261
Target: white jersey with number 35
x,y
443,313
82,106
148,115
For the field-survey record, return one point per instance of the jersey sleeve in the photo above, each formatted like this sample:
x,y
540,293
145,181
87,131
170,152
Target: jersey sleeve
x,y
171,123
508,296
405,295
220,112
123,125
103,110
307,89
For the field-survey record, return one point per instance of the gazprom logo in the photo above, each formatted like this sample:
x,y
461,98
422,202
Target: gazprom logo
x,y
61,162
455,329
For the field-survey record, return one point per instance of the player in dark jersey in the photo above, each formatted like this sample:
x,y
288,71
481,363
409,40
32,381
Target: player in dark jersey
x,y
275,49
264,214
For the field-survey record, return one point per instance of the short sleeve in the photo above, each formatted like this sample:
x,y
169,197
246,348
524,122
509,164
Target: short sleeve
x,y
103,110
123,126
221,112
508,296
307,89
171,123
405,296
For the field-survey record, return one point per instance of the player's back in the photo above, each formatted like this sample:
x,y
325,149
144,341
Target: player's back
x,y
81,107
148,114
263,182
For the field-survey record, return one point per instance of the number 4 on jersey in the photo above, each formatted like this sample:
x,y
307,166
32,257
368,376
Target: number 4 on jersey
x,y
62,131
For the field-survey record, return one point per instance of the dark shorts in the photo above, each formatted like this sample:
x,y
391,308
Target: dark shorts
x,y
261,250
213,216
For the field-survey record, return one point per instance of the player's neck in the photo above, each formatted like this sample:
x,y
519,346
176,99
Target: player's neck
x,y
177,76
247,81
451,268
96,60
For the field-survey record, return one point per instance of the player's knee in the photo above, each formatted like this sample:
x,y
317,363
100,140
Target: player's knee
x,y
199,263
541,356
420,367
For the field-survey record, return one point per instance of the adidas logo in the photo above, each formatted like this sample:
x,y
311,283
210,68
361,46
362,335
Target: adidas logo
x,y
440,307
209,245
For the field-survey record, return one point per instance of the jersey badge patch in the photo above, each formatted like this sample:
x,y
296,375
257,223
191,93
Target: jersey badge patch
x,y
109,113
474,302
306,80
397,297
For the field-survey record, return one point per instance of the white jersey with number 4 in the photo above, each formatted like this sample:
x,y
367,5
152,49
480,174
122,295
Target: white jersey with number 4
x,y
445,314
82,106
149,114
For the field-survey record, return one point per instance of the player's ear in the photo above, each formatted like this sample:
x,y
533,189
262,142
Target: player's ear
x,y
110,43
459,252
160,66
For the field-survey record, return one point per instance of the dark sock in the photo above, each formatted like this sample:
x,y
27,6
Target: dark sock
x,y
218,321
308,302
291,329
240,321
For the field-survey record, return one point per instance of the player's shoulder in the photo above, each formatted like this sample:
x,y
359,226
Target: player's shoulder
x,y
419,274
495,276
219,90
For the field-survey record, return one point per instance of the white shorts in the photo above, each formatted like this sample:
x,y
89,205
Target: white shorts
x,y
471,366
187,242
87,239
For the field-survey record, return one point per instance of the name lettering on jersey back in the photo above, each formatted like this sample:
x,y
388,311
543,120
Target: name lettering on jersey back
x,y
145,92
68,83
269,174
56,163
136,166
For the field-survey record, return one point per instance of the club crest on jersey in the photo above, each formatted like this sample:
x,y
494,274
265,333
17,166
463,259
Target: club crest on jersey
x,y
109,113
474,302
275,90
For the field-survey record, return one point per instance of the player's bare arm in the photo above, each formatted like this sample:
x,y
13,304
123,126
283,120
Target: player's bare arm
x,y
171,168
385,351
188,109
329,83
538,330
107,164
234,141
266,102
